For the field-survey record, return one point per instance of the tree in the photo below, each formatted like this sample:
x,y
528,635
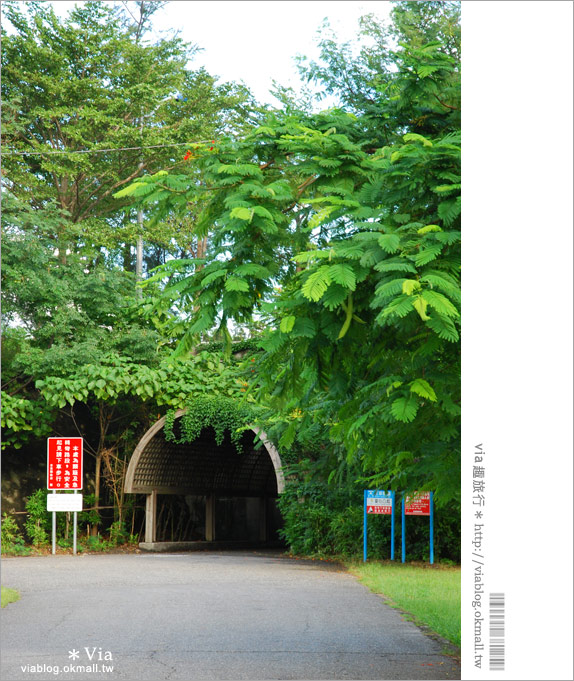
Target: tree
x,y
112,402
344,232
60,317
77,90
89,104
364,81
338,233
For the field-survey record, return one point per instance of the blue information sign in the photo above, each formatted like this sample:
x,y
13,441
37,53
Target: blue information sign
x,y
378,502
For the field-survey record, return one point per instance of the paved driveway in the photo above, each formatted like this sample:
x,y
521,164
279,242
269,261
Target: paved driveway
x,y
217,615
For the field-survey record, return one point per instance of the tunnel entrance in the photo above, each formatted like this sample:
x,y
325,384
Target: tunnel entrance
x,y
205,495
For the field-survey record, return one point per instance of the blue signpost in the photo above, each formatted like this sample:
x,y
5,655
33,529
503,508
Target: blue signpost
x,y
431,529
403,543
378,502
393,528
365,526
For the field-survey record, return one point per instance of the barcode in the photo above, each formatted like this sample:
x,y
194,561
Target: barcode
x,y
497,632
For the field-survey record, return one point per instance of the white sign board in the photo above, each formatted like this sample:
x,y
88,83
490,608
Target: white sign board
x,y
378,501
379,505
65,502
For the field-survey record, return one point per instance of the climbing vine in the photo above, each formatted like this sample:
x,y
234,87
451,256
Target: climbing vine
x,y
220,413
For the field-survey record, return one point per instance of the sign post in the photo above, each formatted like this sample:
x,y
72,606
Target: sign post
x,y
365,526
65,472
431,528
75,529
420,504
393,527
403,543
378,502
53,533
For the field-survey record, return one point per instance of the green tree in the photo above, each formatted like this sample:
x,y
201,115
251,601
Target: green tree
x,y
89,104
122,396
363,77
352,253
77,90
57,316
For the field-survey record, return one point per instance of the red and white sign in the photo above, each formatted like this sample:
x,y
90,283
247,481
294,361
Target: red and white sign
x,y
419,504
65,459
379,505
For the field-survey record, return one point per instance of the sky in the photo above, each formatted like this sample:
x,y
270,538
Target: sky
x,y
255,41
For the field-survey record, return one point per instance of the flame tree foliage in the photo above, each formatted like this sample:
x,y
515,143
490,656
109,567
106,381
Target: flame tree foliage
x,y
341,231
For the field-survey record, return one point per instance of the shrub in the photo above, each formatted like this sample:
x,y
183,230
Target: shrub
x,y
38,521
13,543
346,530
96,544
323,520
118,533
92,517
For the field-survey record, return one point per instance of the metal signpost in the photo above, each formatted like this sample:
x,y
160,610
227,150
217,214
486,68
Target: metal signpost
x,y
65,472
378,502
420,504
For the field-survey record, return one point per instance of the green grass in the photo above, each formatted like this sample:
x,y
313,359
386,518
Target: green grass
x,y
9,596
430,594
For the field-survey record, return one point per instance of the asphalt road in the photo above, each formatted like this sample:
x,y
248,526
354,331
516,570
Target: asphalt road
x,y
216,615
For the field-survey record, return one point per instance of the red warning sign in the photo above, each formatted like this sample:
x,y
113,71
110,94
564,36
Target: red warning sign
x,y
65,459
419,504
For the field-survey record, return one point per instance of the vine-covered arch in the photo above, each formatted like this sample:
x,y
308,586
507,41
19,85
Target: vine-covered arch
x,y
205,469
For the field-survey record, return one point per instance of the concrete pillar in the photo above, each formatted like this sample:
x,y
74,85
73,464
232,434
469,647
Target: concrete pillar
x,y
263,519
210,517
150,517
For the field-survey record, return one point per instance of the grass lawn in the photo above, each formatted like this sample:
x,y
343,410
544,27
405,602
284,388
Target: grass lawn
x,y
9,596
430,594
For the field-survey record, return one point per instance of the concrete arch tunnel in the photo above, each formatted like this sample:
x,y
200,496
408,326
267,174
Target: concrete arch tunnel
x,y
231,495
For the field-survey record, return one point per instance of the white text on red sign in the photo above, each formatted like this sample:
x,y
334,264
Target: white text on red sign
x,y
65,463
419,504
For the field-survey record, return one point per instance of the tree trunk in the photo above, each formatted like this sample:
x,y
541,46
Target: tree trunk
x,y
97,489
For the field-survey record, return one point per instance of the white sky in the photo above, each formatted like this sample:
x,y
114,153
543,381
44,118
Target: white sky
x,y
255,41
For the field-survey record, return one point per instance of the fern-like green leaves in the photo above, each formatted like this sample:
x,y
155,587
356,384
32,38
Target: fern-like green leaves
x,y
317,283
405,408
344,275
351,252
